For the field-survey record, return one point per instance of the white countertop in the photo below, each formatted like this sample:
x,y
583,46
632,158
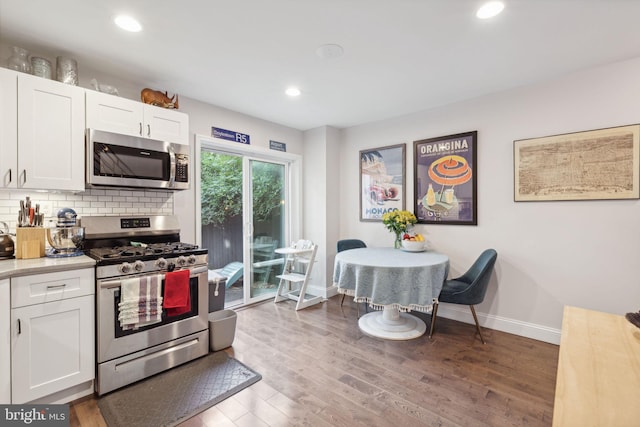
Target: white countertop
x,y
22,267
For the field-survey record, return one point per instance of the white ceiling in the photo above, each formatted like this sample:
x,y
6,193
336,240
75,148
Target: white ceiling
x,y
400,56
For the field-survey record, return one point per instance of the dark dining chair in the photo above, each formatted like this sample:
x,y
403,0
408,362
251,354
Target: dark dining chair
x,y
345,245
468,289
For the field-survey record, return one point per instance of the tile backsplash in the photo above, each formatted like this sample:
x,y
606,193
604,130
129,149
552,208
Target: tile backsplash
x,y
90,202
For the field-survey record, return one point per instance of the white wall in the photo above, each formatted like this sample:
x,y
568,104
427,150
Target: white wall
x,y
321,200
332,223
115,202
201,118
93,201
314,200
550,254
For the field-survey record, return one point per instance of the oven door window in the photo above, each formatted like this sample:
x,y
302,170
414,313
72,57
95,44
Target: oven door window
x,y
128,162
193,289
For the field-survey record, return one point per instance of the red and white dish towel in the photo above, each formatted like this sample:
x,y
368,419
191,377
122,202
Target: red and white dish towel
x,y
177,298
140,302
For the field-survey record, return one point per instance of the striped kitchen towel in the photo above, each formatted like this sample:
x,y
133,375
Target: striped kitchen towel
x,y
140,301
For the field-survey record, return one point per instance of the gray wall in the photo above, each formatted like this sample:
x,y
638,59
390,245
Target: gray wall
x,y
550,254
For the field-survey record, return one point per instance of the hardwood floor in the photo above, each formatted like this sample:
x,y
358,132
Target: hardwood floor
x,y
319,369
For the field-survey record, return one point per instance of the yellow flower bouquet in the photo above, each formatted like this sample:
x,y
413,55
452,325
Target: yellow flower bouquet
x,y
398,222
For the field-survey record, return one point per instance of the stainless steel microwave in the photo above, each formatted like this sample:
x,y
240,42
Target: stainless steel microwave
x,y
115,160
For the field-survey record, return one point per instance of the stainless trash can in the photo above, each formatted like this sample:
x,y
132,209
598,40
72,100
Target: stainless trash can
x,y
222,329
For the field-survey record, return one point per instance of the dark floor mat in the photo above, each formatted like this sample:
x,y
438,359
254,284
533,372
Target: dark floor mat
x,y
171,397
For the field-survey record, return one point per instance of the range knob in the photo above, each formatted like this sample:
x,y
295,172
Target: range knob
x,y
161,263
191,259
138,265
125,267
181,261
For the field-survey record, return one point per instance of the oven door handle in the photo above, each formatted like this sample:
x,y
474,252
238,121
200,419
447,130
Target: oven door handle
x,y
116,283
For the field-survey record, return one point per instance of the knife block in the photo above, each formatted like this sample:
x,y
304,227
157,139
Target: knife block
x,y
30,242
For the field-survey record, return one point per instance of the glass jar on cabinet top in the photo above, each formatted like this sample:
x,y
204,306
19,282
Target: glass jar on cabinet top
x,y
19,60
67,70
41,67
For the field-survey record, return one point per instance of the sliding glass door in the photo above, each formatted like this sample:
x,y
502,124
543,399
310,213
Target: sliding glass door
x,y
244,218
267,223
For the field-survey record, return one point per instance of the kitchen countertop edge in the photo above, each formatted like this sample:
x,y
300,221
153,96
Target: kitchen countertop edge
x,y
23,267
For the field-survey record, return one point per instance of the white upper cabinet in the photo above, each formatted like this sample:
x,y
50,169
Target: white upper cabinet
x,y
50,134
113,114
41,133
119,115
8,128
166,125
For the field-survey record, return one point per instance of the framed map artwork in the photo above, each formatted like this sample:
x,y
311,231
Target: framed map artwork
x,y
598,164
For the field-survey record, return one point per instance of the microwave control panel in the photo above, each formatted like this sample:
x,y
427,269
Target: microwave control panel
x,y
182,168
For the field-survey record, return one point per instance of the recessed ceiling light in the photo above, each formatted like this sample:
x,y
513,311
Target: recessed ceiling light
x,y
293,91
490,9
128,23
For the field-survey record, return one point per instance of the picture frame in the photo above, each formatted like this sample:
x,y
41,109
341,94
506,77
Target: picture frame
x,y
382,181
445,180
600,164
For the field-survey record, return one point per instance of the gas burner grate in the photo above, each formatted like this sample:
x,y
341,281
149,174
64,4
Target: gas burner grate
x,y
136,252
111,255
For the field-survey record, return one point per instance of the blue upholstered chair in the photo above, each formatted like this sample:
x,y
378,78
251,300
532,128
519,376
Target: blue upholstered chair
x,y
345,245
468,289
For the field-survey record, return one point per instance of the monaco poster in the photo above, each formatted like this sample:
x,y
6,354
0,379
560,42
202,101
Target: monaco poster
x,y
382,176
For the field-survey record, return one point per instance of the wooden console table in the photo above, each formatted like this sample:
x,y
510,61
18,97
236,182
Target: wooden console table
x,y
598,381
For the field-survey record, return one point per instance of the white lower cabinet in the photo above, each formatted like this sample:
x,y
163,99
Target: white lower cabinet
x,y
5,343
52,333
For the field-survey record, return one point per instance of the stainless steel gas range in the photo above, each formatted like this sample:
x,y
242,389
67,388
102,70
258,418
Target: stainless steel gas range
x,y
146,248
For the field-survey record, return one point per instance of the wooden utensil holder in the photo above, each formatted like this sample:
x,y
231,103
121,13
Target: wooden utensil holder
x,y
30,242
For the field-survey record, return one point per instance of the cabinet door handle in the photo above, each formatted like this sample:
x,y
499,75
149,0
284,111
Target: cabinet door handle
x,y
140,131
148,130
10,177
24,172
56,286
19,327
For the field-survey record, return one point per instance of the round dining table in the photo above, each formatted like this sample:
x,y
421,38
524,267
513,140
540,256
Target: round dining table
x,y
393,282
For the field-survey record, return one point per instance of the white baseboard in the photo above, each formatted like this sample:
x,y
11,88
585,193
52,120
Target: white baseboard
x,y
331,291
67,395
512,326
504,324
319,291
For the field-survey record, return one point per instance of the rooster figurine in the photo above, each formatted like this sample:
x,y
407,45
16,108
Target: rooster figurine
x,y
155,97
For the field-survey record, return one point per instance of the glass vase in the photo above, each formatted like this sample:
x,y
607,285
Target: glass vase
x,y
19,60
41,67
67,70
398,242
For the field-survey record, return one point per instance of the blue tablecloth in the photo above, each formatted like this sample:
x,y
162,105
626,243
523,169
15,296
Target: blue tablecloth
x,y
408,281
